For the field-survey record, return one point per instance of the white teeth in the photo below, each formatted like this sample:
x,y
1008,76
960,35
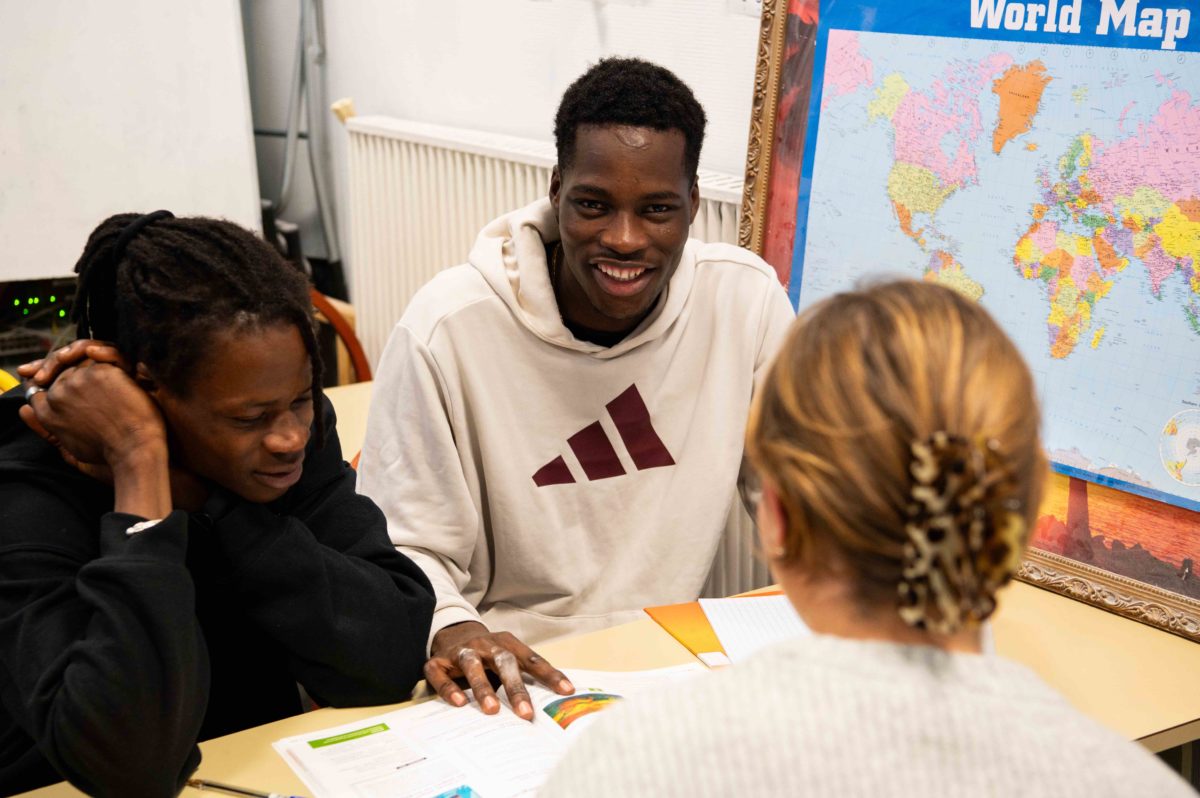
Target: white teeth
x,y
621,275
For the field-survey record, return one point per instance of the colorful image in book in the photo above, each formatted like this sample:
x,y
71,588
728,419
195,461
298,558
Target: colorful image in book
x,y
566,711
459,792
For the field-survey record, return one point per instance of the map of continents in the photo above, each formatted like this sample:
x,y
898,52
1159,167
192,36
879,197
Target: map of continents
x,y
1107,203
1060,186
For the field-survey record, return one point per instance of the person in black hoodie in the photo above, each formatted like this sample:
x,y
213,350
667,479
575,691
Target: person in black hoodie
x,y
180,540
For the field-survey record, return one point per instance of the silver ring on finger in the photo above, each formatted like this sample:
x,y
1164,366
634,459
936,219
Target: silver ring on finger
x,y
31,391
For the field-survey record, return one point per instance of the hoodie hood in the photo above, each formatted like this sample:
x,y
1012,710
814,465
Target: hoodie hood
x,y
510,253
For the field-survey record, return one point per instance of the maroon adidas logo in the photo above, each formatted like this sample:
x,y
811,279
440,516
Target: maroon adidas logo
x,y
595,451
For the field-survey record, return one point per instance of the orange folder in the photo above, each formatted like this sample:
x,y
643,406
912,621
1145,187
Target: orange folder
x,y
688,624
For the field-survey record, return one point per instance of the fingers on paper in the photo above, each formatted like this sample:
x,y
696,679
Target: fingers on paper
x,y
506,656
538,667
508,667
471,664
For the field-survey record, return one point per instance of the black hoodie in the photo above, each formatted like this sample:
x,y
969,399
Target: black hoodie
x,y
118,653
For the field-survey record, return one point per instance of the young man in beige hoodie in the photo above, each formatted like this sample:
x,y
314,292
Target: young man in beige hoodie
x,y
556,429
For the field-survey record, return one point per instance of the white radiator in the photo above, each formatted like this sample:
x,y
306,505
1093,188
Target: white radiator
x,y
418,196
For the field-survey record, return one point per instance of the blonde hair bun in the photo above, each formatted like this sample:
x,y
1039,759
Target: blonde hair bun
x,y
898,424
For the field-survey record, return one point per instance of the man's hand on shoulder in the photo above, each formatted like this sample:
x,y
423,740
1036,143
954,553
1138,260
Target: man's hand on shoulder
x,y
469,649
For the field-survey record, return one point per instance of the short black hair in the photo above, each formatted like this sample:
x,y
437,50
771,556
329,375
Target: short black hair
x,y
179,281
630,91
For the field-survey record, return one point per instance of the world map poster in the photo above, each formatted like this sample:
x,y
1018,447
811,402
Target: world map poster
x,y
1042,159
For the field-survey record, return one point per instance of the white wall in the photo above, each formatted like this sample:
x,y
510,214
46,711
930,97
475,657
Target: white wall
x,y
122,105
499,65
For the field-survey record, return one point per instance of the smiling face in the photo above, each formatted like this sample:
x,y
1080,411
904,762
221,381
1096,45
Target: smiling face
x,y
245,419
624,206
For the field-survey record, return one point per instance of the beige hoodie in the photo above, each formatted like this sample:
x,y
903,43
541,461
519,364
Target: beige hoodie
x,y
548,485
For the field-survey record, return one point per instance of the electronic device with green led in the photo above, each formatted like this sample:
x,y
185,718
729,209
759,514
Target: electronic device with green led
x,y
32,303
45,303
35,315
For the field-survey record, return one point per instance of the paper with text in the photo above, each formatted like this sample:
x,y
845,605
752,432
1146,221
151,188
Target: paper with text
x,y
744,625
434,750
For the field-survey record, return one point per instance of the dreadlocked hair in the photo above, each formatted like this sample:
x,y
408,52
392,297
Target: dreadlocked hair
x,y
176,283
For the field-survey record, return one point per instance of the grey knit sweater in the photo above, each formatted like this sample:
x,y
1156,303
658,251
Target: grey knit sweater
x,y
828,716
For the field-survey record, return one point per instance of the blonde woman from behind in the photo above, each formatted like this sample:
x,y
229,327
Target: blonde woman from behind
x,y
896,439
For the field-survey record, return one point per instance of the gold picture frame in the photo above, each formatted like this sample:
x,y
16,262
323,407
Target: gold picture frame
x,y
768,73
1058,556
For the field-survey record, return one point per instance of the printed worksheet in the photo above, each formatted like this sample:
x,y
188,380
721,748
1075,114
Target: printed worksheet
x,y
434,750
748,623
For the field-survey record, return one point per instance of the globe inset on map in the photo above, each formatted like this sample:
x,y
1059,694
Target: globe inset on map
x,y
1179,447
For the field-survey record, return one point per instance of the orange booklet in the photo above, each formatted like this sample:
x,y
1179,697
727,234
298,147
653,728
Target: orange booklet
x,y
688,624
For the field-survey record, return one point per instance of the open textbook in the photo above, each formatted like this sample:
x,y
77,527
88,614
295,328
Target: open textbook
x,y
434,750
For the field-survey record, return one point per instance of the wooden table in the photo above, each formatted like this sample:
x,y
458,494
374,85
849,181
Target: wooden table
x,y
247,759
350,402
1131,677
1139,681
